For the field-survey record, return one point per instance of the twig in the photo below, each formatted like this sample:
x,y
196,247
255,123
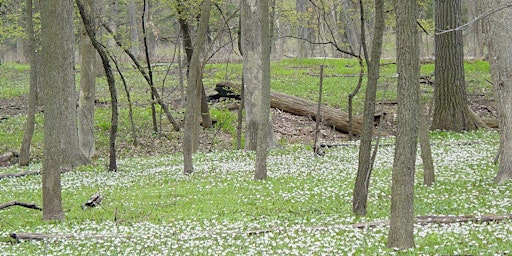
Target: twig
x,y
23,204
480,17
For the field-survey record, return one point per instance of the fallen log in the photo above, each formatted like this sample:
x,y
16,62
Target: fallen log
x,y
298,106
26,173
39,236
8,158
23,204
303,107
18,174
421,220
93,201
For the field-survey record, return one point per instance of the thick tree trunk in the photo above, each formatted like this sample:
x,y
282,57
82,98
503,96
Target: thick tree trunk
x,y
401,233
500,58
57,48
451,110
364,169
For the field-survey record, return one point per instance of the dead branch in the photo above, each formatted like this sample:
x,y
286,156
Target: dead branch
x,y
93,201
421,220
38,236
23,204
18,174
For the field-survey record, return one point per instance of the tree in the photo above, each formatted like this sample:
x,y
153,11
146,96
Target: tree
x,y
60,130
451,110
364,168
499,40
87,93
194,88
24,158
91,32
189,50
402,188
255,29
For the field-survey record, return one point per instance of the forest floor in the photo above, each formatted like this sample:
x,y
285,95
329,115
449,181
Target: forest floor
x,y
288,129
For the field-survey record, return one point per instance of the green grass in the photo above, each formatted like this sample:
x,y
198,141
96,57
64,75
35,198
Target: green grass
x,y
151,208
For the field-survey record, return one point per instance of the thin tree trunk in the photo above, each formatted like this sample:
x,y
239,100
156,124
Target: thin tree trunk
x,y
148,62
189,50
360,196
264,132
194,93
87,93
426,152
24,157
110,80
401,233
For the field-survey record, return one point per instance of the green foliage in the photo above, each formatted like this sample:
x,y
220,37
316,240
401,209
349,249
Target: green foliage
x,y
14,80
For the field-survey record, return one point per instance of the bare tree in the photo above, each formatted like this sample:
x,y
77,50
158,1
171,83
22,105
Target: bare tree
x,y
255,28
91,32
87,88
194,86
60,130
451,110
402,188
499,39
24,158
364,169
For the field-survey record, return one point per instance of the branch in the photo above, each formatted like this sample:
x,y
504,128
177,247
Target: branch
x,y
328,42
18,174
23,204
480,17
421,220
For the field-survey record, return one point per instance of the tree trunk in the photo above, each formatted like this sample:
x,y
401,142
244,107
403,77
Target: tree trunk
x,y
401,234
24,158
364,169
189,50
500,59
451,110
426,152
305,30
194,92
351,25
87,93
110,80
255,43
57,49
134,28
264,132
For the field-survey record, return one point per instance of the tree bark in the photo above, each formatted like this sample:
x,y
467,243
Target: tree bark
x,y
451,110
401,234
364,168
499,40
24,158
57,49
426,152
110,80
87,93
194,94
189,50
264,132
